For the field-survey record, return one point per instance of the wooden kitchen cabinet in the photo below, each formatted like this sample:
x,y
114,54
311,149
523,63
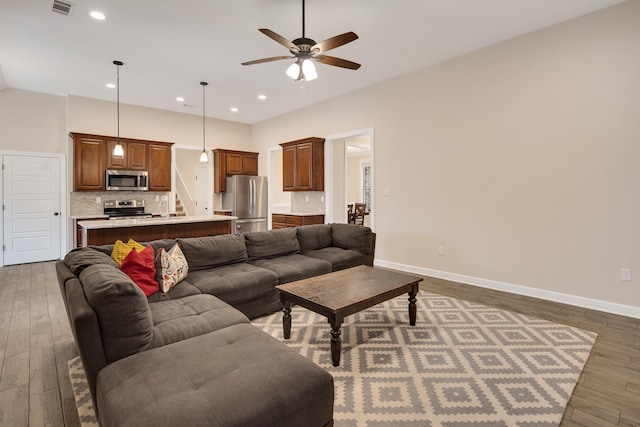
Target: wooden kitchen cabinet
x,y
93,155
294,220
159,167
135,156
231,162
303,165
88,163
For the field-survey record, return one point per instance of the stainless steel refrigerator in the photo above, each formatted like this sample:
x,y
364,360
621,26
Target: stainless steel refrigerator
x,y
246,197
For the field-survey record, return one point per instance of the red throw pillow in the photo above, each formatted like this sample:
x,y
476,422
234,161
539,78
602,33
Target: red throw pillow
x,y
140,267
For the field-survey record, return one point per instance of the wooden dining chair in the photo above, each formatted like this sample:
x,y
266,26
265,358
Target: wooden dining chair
x,y
350,213
359,213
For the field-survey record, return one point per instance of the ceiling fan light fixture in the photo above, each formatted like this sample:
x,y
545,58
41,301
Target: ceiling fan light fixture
x,y
309,70
294,71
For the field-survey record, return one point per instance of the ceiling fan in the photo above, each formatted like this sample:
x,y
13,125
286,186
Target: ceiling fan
x,y
306,51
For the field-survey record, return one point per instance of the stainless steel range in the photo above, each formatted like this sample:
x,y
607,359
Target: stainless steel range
x,y
125,209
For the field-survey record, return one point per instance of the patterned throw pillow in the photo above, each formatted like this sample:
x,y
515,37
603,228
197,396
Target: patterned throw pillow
x,y
121,250
174,267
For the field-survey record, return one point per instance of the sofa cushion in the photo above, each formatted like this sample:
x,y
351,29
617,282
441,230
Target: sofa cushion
x,y
338,257
272,243
237,376
294,267
348,236
81,258
181,290
313,237
123,312
213,251
180,319
235,283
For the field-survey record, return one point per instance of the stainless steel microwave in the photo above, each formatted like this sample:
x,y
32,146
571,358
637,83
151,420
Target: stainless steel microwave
x,y
127,180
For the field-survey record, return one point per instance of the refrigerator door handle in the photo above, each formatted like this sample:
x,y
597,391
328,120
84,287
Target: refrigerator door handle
x,y
251,196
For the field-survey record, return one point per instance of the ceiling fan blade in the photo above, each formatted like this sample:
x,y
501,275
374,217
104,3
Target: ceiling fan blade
x,y
337,62
273,58
335,42
277,37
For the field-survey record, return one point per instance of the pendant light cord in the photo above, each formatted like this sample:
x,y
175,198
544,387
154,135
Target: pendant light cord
x,y
118,97
118,64
204,157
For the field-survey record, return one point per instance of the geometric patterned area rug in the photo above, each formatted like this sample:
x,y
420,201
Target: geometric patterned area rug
x,y
463,364
81,392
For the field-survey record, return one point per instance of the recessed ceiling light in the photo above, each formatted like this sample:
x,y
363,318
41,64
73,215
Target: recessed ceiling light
x,y
110,85
234,109
180,99
98,15
262,97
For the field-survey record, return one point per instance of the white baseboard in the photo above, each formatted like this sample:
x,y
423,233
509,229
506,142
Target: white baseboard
x,y
594,304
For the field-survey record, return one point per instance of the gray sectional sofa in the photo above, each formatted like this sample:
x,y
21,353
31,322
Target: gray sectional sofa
x,y
191,356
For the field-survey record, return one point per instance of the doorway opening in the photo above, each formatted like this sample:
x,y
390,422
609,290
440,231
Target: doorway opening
x,y
350,174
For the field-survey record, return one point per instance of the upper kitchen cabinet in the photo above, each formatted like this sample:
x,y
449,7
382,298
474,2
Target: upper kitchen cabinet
x,y
303,165
88,163
135,156
93,155
159,167
231,162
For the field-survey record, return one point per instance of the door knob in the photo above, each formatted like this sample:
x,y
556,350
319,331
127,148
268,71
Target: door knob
x,y
56,213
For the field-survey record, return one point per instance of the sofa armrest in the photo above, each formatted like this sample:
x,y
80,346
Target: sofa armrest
x,y
86,331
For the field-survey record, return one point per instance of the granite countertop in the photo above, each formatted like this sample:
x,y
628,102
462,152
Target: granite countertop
x,y
140,222
87,216
298,213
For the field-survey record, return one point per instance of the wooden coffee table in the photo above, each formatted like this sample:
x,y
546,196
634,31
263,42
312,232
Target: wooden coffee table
x,y
342,293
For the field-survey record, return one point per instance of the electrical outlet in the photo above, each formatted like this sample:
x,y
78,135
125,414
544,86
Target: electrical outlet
x,y
322,198
306,198
440,250
625,274
98,199
157,197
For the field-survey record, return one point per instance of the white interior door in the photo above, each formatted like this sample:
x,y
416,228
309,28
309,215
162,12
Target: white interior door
x,y
203,190
32,209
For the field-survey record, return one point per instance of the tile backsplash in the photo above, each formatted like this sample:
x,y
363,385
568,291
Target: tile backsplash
x,y
307,202
84,203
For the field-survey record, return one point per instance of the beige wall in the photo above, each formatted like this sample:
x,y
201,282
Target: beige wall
x,y
32,121
521,159
99,117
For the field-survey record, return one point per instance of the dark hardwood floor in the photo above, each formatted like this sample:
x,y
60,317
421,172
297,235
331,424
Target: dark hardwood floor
x,y
36,342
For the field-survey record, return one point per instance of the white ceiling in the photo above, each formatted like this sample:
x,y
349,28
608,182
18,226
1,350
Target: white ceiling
x,y
169,47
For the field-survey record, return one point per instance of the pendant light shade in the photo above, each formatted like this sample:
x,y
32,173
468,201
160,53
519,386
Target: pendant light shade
x,y
118,149
204,157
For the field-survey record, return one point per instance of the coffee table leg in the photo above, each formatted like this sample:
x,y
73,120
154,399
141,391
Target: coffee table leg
x,y
286,320
336,344
412,308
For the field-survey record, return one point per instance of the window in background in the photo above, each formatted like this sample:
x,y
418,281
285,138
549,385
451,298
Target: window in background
x,y
365,183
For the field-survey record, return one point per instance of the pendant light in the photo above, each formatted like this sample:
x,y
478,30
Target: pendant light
x,y
204,157
118,150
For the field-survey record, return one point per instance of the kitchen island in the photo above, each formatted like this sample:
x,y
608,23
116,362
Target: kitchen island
x,y
103,232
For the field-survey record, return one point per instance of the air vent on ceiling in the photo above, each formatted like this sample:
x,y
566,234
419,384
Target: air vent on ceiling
x,y
62,7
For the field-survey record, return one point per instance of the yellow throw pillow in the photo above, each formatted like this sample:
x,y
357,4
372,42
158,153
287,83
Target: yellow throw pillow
x,y
121,250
